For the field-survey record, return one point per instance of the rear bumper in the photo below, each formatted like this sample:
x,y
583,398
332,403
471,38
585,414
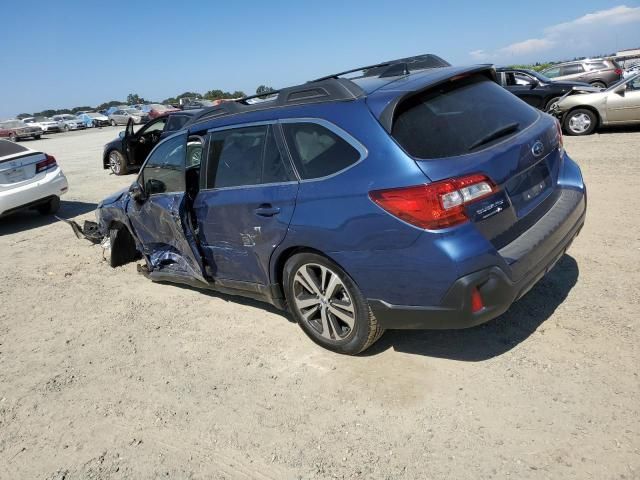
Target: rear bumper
x,y
54,184
529,257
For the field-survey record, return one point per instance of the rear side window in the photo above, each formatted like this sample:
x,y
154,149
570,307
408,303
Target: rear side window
x,y
317,151
597,66
552,72
459,118
572,69
245,156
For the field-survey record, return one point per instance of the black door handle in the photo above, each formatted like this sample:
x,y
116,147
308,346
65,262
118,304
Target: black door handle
x,y
267,210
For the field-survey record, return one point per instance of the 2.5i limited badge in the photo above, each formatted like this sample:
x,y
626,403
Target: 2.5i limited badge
x,y
490,207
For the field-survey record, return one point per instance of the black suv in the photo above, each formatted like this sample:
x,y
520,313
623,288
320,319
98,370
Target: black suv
x,y
130,149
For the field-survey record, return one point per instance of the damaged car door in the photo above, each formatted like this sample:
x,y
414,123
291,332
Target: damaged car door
x,y
246,203
160,212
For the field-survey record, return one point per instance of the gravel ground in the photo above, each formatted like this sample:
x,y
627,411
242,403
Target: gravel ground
x,y
106,375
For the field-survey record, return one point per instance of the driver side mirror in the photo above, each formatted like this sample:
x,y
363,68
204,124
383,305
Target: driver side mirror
x,y
621,89
137,192
534,84
122,134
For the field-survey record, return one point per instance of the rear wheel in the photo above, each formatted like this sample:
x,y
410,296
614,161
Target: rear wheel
x,y
328,305
117,163
51,207
37,137
113,123
65,128
598,84
13,137
580,122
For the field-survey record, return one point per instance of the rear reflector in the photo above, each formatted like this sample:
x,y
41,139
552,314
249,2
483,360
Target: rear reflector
x,y
47,164
476,300
560,139
436,205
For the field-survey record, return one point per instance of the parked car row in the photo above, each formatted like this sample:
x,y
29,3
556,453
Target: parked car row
x,y
417,195
584,94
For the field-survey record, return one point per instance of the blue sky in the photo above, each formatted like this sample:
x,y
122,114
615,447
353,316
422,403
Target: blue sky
x,y
69,53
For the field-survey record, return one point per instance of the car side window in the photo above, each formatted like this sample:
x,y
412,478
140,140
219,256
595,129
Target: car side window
x,y
634,85
245,156
164,169
157,126
176,122
317,151
523,79
552,72
572,69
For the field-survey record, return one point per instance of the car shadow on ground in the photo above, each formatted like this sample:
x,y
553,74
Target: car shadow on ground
x,y
618,129
29,219
495,337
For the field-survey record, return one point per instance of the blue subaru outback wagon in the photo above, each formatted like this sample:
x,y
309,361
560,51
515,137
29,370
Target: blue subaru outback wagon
x,y
398,198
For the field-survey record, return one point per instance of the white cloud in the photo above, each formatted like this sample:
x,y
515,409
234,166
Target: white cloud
x,y
582,36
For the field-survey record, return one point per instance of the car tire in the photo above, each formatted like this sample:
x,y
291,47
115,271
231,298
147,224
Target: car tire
x,y
599,84
49,208
123,247
551,103
117,163
13,137
37,137
65,128
353,329
113,123
580,121
93,124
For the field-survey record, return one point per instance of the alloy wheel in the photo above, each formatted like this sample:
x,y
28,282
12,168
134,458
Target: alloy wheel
x,y
579,123
114,163
324,301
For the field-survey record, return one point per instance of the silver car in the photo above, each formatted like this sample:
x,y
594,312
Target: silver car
x,y
68,122
121,117
617,105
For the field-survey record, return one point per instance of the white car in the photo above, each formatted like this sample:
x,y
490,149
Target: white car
x,y
29,179
45,123
69,122
631,71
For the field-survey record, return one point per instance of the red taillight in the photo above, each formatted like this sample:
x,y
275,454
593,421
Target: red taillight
x,y
436,205
618,71
476,300
47,164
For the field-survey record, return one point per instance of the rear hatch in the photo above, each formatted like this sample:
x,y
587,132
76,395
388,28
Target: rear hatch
x,y
468,125
20,166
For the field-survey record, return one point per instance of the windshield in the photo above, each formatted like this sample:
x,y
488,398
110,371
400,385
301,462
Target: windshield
x,y
12,124
93,114
621,81
43,119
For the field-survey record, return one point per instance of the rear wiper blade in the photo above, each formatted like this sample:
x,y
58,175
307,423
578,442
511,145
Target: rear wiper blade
x,y
497,133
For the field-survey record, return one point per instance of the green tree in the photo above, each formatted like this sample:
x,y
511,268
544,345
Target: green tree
x,y
23,115
134,99
264,89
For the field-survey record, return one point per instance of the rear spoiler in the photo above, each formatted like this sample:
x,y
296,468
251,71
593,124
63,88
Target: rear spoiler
x,y
434,80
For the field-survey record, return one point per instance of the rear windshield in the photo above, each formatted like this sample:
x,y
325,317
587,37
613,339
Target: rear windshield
x,y
459,118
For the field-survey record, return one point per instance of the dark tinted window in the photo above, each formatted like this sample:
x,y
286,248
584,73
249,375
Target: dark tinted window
x,y
572,69
317,151
164,170
176,122
597,66
459,118
245,156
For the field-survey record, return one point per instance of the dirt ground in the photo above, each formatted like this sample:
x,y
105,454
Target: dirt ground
x,y
106,375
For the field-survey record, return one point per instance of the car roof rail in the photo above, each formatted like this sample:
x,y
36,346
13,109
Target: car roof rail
x,y
400,66
323,89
